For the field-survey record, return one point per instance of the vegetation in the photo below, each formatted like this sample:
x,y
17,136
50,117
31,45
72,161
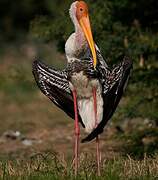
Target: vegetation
x,y
51,166
119,28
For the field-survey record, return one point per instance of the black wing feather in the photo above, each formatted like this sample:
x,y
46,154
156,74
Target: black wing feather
x,y
53,83
113,95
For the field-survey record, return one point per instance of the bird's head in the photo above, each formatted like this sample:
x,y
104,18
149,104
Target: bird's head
x,y
80,17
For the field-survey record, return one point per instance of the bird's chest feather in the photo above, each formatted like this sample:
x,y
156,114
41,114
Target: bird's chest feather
x,y
84,88
83,85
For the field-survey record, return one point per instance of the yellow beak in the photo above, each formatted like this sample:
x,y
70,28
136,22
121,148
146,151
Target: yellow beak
x,y
86,27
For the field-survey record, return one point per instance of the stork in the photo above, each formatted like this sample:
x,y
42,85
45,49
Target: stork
x,y
87,89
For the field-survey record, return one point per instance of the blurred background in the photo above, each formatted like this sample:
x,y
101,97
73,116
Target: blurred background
x,y
29,122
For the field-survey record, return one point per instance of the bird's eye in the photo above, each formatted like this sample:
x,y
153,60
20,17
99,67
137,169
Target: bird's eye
x,y
81,9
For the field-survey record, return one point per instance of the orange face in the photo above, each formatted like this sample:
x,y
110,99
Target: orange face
x,y
82,10
83,19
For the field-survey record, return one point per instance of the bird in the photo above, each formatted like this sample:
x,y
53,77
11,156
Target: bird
x,y
87,90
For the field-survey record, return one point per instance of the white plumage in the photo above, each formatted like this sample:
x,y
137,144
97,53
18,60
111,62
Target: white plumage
x,y
84,88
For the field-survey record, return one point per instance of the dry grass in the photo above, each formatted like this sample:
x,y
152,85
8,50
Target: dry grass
x,y
53,165
145,167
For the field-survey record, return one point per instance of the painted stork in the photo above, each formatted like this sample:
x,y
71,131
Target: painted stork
x,y
87,89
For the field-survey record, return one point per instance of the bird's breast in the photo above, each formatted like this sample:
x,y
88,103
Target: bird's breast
x,y
83,85
84,88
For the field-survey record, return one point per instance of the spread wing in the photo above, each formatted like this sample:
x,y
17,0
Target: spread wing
x,y
113,84
54,84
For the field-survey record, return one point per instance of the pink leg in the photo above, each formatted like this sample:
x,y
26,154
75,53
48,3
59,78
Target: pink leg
x,y
97,138
77,132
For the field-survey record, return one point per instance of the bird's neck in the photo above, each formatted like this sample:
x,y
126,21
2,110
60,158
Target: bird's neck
x,y
76,46
80,39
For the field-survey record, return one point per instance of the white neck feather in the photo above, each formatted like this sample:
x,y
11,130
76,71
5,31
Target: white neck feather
x,y
76,43
72,13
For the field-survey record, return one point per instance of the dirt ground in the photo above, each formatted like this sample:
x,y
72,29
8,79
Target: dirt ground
x,y
59,139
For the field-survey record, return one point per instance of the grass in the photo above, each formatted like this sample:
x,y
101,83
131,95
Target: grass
x,y
52,166
140,142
